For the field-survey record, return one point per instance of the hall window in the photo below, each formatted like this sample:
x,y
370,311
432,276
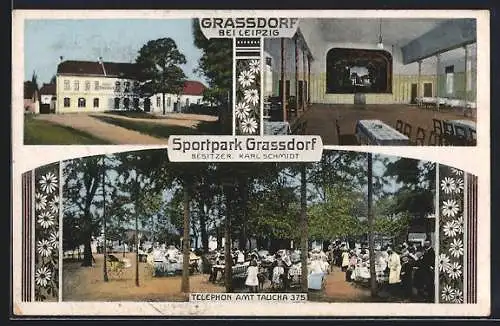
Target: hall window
x,y
67,102
96,85
87,86
127,87
136,103
358,71
449,71
96,102
158,101
81,102
117,103
169,101
126,103
117,86
66,85
76,85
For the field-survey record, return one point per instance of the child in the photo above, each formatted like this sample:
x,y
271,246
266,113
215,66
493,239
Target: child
x,y
278,272
252,280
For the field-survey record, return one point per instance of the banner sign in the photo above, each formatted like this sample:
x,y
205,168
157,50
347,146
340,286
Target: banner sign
x,y
248,297
261,27
244,148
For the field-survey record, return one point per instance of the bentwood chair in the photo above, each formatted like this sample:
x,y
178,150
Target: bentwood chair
x,y
407,130
399,126
420,138
438,128
345,139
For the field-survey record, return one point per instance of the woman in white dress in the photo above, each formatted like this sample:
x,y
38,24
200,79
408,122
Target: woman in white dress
x,y
252,280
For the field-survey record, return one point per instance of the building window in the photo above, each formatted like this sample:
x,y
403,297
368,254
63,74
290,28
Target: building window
x,y
136,103
117,103
117,86
187,102
449,79
76,85
87,86
96,85
66,85
81,102
127,87
136,85
158,101
169,101
96,102
67,102
126,103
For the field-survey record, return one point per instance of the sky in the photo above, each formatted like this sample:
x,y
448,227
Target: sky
x,y
117,40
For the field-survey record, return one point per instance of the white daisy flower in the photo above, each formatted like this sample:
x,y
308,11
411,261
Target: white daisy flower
x,y
455,270
44,248
43,276
254,66
457,171
459,296
54,205
48,182
249,126
459,222
246,78
46,220
444,263
459,186
40,201
450,208
242,110
448,185
456,248
448,293
54,239
251,96
450,229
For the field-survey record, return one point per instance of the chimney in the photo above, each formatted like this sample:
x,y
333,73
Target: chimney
x,y
102,65
61,59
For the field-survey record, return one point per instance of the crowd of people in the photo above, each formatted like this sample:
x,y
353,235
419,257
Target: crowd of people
x,y
407,269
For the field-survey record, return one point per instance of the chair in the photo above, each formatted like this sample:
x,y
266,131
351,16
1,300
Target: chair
x,y
420,138
399,126
438,128
407,130
345,139
435,139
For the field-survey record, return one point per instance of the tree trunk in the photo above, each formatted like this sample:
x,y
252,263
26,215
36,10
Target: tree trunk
x,y
136,249
228,257
373,275
87,252
186,240
105,267
203,229
219,238
244,197
163,101
304,230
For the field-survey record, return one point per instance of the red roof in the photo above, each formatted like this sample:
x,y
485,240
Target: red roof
x,y
192,87
95,68
48,89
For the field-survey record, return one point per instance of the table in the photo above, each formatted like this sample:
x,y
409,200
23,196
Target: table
x,y
277,128
466,124
375,132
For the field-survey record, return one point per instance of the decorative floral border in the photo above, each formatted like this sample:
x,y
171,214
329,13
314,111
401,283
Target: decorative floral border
x,y
451,235
47,206
248,97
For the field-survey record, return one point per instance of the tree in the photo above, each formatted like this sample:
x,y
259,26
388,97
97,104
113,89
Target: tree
x,y
159,62
53,79
34,83
216,65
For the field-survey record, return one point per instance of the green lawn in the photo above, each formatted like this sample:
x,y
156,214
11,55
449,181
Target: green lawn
x,y
134,114
39,132
161,130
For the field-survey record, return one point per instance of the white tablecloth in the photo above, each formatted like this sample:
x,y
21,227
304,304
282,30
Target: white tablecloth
x,y
375,132
276,128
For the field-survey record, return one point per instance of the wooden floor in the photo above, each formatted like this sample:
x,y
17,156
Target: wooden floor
x,y
321,118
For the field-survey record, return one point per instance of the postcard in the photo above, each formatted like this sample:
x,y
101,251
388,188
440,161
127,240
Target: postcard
x,y
251,163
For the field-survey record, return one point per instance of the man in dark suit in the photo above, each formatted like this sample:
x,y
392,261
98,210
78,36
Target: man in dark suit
x,y
427,264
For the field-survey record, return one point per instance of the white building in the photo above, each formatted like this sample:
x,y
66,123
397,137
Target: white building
x,y
96,86
48,98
